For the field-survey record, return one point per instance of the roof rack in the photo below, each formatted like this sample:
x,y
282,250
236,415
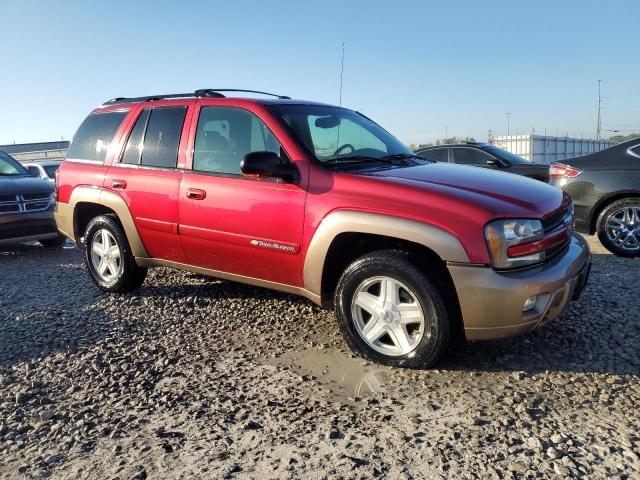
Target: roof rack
x,y
203,92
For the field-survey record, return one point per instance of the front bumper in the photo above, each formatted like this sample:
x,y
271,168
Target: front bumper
x,y
491,301
26,226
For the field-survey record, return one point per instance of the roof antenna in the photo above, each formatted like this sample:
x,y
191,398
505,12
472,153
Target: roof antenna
x,y
341,72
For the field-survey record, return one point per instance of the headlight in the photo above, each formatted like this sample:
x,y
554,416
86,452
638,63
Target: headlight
x,y
502,234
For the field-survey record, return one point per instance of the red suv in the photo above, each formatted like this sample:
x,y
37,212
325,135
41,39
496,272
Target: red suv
x,y
318,201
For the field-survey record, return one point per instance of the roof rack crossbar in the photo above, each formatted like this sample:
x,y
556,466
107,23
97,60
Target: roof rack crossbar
x,y
204,92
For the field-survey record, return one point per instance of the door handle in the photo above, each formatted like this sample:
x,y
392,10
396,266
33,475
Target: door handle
x,y
119,184
196,194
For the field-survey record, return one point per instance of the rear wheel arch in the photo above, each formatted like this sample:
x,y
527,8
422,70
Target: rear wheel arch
x,y
90,202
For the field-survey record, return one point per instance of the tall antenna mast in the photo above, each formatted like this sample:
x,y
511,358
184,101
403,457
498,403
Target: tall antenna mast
x,y
341,72
598,119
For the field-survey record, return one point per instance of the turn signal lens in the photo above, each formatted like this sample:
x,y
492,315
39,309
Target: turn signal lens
x,y
559,170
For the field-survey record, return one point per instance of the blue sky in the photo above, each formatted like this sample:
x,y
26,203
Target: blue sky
x,y
413,66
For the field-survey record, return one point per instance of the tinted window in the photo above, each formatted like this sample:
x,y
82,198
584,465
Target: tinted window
x,y
435,155
470,156
94,136
133,150
635,151
51,170
33,170
225,135
162,137
506,155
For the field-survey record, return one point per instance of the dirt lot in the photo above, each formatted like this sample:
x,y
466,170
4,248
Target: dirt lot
x,y
195,378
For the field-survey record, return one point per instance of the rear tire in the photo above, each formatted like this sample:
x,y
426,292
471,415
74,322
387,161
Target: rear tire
x,y
618,227
108,257
390,312
57,242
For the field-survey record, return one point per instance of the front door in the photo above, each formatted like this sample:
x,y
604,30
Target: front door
x,y
148,179
232,223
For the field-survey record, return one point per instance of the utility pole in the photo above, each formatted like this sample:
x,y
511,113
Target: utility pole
x,y
599,108
341,72
508,114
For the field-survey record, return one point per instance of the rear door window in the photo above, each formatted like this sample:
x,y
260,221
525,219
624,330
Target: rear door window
x,y
92,140
435,155
470,156
162,137
133,150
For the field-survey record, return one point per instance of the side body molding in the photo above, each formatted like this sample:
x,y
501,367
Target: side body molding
x,y
64,215
443,243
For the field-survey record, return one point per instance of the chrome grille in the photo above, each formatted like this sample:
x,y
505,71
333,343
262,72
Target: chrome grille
x,y
31,202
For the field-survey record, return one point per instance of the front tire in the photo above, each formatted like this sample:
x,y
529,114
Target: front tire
x,y
390,312
618,227
108,257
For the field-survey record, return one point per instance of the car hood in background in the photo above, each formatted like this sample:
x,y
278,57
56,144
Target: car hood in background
x,y
502,193
14,185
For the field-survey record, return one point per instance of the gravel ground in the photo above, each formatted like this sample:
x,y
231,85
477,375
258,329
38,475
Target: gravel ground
x,y
196,378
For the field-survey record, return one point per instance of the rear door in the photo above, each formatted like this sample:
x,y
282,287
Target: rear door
x,y
147,175
235,224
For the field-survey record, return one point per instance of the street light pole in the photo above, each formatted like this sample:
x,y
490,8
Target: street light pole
x,y
508,114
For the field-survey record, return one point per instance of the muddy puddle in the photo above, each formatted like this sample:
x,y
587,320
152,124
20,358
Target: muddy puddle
x,y
347,379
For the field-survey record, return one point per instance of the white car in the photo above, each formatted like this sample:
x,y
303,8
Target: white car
x,y
46,170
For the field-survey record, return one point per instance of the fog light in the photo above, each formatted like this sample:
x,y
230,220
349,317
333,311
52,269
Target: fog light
x,y
529,303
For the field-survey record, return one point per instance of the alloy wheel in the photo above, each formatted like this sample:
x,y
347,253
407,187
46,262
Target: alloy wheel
x,y
388,316
623,228
106,256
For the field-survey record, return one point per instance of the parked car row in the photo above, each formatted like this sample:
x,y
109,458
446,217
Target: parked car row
x,y
604,186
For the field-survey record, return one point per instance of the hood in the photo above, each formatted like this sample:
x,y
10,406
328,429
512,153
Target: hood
x,y
15,185
502,194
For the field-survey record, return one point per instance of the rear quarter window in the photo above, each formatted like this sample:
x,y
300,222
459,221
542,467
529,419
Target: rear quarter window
x,y
91,141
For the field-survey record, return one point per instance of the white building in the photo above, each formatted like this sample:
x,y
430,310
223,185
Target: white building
x,y
542,149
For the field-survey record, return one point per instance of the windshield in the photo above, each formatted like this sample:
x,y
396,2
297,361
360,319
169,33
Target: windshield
x,y
505,155
9,166
337,135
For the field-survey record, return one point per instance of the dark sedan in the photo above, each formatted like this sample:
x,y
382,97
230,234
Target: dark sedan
x,y
487,156
26,206
605,187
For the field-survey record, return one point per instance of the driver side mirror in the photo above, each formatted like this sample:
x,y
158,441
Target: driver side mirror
x,y
267,165
492,162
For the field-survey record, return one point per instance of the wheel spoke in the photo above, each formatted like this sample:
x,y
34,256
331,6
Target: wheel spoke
x,y
114,252
389,291
400,337
97,249
374,329
369,303
102,266
410,313
106,243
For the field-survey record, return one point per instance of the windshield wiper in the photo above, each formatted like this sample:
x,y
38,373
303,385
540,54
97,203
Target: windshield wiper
x,y
400,159
403,156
